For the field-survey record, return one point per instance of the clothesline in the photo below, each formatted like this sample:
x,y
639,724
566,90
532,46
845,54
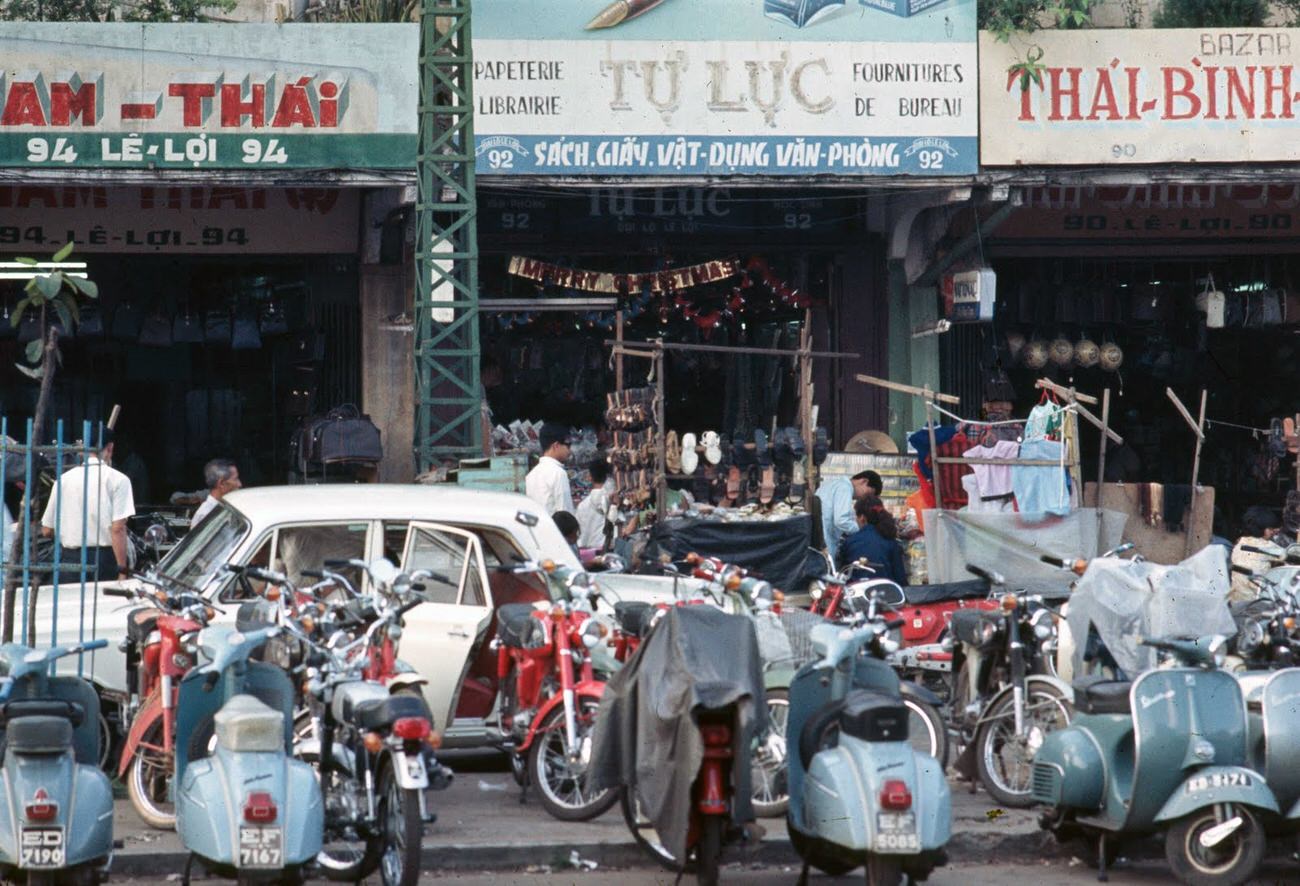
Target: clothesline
x,y
989,424
1228,424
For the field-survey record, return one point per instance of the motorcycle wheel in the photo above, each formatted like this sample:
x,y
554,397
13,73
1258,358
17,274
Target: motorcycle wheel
x,y
803,847
767,771
645,835
883,870
709,852
561,785
1003,759
926,730
148,779
402,831
1233,861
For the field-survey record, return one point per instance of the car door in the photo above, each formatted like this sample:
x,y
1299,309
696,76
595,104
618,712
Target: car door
x,y
442,632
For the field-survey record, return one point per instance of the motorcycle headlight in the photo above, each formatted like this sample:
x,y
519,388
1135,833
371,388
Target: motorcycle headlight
x,y
988,632
887,646
592,633
817,589
1042,631
1251,636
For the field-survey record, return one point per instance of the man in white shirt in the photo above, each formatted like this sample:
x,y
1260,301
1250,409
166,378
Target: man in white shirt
x,y
548,483
837,496
593,512
100,496
221,477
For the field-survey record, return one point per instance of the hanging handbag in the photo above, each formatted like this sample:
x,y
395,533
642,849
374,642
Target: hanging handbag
x,y
91,324
216,327
156,331
126,322
187,329
245,335
272,320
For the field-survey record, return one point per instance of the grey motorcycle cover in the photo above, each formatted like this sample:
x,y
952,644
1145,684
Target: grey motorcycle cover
x,y
697,658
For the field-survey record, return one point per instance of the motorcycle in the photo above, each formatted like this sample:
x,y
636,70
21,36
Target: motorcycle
x,y
57,824
860,793
245,809
549,692
374,753
1004,702
159,649
1167,753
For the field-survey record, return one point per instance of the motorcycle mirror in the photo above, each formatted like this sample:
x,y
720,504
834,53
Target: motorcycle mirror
x,y
1293,554
156,535
383,570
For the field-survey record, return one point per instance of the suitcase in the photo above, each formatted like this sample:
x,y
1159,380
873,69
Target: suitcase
x,y
342,436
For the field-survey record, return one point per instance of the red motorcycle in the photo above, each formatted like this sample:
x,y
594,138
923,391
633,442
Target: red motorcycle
x,y
159,652
549,693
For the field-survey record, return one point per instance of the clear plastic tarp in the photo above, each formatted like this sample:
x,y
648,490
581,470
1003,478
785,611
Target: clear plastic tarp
x,y
1012,544
1126,600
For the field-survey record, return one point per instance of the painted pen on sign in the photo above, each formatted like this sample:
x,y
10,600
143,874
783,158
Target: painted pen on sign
x,y
621,11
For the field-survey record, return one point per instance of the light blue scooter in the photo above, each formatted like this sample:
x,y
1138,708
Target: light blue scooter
x,y
56,813
244,807
859,793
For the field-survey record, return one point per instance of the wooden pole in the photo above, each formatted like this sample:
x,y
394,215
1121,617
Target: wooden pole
x,y
618,352
1196,472
934,454
1101,460
806,429
928,394
661,447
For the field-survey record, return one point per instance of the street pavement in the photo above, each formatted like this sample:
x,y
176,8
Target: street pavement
x,y
482,826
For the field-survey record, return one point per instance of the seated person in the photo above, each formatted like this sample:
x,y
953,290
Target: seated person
x,y
876,541
569,528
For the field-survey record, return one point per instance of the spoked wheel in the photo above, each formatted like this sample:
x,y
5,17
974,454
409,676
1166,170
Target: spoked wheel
x,y
399,816
768,768
644,833
1233,859
345,856
561,782
149,778
1005,759
884,870
926,730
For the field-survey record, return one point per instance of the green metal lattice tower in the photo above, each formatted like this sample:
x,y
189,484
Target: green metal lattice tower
x,y
447,396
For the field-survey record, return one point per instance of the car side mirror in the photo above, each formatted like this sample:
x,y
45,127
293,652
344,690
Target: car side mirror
x,y
526,519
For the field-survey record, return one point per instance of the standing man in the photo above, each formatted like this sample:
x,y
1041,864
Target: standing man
x,y
837,496
593,513
221,477
103,496
548,483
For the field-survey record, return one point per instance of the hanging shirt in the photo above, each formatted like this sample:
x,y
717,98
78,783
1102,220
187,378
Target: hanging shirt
x,y
548,485
1041,490
993,481
836,497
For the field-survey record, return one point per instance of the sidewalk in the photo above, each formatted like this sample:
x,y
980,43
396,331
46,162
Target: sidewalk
x,y
482,826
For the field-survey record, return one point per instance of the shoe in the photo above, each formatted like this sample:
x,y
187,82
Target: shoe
x,y
798,485
796,443
690,458
712,447
673,455
821,446
733,485
760,448
782,451
767,485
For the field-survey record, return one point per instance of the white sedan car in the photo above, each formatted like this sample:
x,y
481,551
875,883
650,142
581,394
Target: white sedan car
x,y
463,535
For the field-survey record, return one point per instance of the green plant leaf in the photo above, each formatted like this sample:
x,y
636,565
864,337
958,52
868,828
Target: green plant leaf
x,y
18,312
23,260
63,253
49,285
88,288
33,350
37,373
70,300
65,316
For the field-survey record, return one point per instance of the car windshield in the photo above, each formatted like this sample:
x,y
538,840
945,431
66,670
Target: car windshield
x,y
206,548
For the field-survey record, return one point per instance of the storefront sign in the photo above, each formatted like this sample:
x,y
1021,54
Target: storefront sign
x,y
245,221
731,87
1151,96
667,280
969,296
1164,212
175,96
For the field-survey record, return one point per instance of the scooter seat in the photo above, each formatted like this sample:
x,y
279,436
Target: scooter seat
x,y
1102,696
920,595
381,714
518,629
42,707
634,616
39,735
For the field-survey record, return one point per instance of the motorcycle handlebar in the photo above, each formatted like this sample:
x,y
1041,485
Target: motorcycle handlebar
x,y
117,592
1058,562
312,573
991,577
1254,550
895,623
407,607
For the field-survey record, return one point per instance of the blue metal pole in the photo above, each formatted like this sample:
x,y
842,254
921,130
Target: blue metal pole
x,y
81,619
27,530
58,537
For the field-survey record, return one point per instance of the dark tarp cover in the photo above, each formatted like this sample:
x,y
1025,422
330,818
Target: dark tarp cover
x,y
697,658
777,550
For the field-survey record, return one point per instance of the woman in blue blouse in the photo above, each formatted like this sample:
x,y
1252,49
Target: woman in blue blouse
x,y
876,541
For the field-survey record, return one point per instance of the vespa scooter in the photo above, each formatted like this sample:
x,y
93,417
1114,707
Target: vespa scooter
x,y
56,813
860,794
244,807
1166,752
